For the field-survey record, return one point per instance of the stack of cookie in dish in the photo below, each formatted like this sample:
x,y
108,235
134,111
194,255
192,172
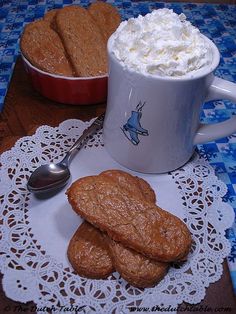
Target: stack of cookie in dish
x,y
71,41
124,230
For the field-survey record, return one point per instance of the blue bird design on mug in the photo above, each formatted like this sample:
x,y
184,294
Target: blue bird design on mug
x,y
132,128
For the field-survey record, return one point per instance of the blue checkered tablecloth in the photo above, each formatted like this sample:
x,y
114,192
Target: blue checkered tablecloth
x,y
218,22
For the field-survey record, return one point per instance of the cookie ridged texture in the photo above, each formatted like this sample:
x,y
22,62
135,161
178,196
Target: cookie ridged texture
x,y
50,17
82,40
137,269
42,46
88,253
106,16
134,267
136,223
132,185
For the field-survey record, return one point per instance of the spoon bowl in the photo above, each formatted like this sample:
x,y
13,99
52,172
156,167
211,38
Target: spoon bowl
x,y
51,177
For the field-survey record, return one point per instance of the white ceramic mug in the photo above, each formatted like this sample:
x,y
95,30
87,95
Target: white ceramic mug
x,y
152,123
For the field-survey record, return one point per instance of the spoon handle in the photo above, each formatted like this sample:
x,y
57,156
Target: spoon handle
x,y
82,140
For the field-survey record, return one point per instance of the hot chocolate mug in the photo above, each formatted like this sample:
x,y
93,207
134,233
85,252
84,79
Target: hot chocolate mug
x,y
152,123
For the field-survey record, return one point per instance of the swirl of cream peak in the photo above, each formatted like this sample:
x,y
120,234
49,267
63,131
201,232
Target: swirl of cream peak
x,y
161,43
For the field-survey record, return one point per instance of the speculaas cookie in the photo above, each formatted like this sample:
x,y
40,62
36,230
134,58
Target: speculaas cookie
x,y
42,46
106,16
137,224
88,253
82,40
50,17
137,269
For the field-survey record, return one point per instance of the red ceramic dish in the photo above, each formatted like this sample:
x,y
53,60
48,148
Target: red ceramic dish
x,y
67,90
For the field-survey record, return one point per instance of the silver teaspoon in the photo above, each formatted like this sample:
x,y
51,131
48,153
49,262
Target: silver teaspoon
x,y
50,177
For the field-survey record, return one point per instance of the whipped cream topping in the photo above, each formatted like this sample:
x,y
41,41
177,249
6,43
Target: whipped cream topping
x,y
161,43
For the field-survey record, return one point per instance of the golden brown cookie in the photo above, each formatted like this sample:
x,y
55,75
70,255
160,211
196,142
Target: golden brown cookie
x,y
42,46
82,40
135,268
137,224
133,185
50,17
87,245
106,16
88,253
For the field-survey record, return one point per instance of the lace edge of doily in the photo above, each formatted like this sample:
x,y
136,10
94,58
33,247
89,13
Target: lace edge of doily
x,y
5,270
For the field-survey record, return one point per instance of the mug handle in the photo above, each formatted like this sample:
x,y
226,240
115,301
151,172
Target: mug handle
x,y
219,89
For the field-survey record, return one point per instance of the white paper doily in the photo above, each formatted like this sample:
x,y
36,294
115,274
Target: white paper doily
x,y
34,233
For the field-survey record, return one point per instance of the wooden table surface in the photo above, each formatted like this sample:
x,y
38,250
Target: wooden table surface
x,y
23,112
